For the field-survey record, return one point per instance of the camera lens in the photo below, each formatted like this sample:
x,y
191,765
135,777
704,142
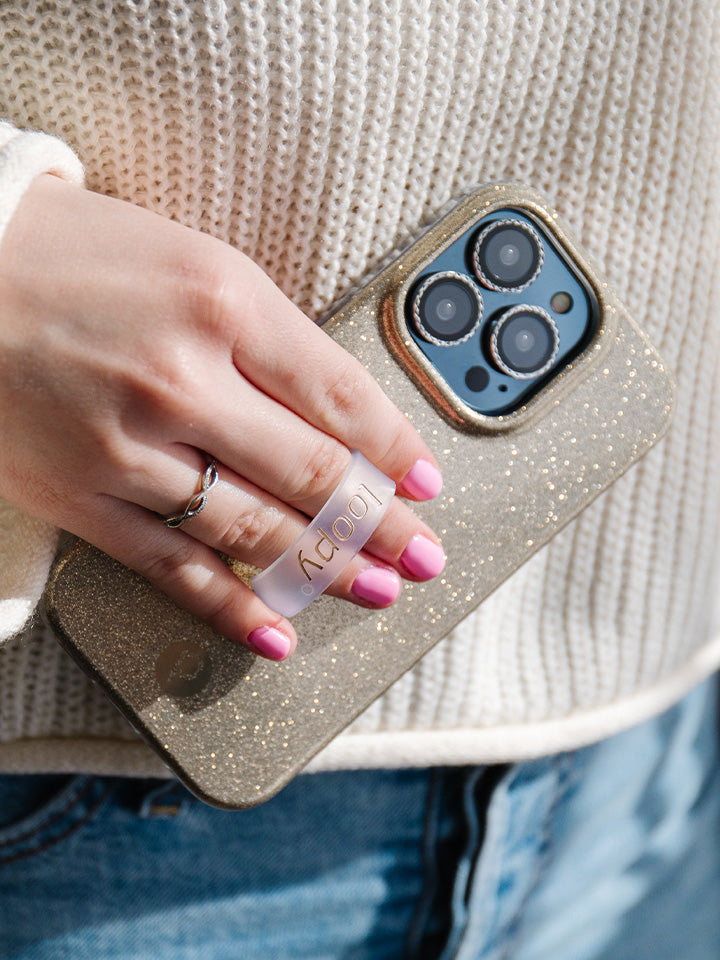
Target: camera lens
x,y
524,342
508,255
447,308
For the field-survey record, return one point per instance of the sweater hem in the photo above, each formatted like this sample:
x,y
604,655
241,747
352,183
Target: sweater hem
x,y
509,743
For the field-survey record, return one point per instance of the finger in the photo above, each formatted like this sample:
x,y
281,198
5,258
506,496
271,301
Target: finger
x,y
189,573
270,445
291,359
249,524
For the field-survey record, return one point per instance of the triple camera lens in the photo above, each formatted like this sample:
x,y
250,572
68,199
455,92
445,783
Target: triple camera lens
x,y
447,308
524,342
507,256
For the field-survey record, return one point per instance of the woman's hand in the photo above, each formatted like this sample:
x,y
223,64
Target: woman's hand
x,y
131,345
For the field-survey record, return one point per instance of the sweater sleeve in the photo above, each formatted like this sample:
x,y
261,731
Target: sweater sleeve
x,y
27,545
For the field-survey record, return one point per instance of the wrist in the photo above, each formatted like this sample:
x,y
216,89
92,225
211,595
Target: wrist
x,y
23,156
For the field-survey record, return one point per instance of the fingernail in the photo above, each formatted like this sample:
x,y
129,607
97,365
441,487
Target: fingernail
x,y
422,558
423,481
377,585
271,643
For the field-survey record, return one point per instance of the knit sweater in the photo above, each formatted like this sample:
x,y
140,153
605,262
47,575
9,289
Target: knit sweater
x,y
316,136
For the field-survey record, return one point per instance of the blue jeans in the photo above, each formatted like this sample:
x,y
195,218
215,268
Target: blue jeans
x,y
608,852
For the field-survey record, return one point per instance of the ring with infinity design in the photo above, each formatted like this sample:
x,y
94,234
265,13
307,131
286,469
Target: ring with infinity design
x,y
196,504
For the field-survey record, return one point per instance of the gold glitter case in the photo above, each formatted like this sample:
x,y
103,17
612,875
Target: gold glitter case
x,y
235,728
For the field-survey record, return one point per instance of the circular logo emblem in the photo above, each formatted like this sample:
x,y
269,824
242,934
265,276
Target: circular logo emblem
x,y
183,669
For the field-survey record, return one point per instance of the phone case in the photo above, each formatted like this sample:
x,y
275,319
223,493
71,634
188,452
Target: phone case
x,y
234,727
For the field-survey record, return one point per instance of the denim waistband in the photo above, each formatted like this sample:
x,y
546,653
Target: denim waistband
x,y
609,852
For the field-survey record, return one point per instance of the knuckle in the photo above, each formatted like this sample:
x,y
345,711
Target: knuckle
x,y
106,452
164,387
218,302
246,532
169,568
396,447
346,394
220,608
322,470
213,291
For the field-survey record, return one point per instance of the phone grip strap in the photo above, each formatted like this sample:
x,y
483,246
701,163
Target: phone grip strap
x,y
337,534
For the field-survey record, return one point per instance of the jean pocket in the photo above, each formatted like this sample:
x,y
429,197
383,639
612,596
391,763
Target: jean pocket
x,y
38,812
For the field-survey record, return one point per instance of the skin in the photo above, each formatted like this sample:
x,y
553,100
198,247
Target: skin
x,y
130,344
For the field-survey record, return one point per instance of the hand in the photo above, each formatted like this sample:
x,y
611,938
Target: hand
x,y
131,345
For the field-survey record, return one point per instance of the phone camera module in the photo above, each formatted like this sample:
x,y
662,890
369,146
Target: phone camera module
x,y
524,342
507,256
447,308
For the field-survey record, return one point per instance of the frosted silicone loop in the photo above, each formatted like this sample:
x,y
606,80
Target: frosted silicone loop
x,y
332,539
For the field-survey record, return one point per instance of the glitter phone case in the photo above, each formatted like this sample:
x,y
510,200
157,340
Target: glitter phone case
x,y
235,728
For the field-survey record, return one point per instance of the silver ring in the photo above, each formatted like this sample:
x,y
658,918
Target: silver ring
x,y
196,504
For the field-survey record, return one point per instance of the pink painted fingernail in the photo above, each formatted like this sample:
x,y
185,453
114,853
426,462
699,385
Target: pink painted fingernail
x,y
271,643
423,481
422,558
377,585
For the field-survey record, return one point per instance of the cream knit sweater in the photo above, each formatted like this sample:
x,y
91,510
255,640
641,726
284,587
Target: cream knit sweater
x,y
317,135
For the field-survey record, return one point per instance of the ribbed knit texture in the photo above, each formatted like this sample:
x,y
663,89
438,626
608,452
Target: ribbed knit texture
x,y
316,136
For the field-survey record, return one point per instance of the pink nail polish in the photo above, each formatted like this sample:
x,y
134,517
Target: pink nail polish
x,y
423,481
377,585
422,558
271,643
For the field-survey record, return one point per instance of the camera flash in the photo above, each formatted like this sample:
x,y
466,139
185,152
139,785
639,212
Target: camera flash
x,y
561,302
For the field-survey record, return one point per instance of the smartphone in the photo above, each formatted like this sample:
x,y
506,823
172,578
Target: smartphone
x,y
535,390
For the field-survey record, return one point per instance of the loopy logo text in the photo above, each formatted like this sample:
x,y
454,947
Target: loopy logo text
x,y
342,529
